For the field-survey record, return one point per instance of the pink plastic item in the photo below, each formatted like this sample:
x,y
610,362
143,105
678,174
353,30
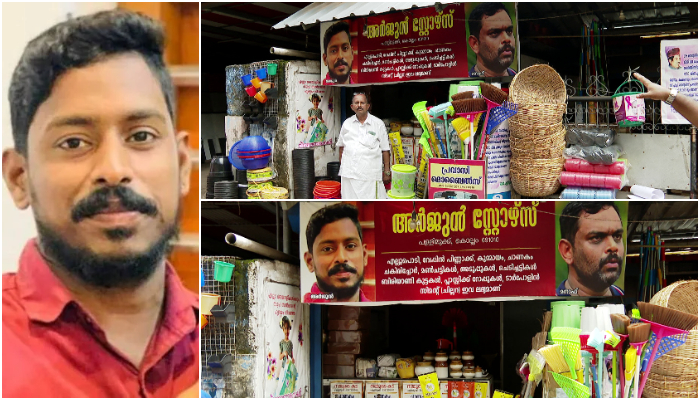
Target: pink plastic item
x,y
578,165
585,179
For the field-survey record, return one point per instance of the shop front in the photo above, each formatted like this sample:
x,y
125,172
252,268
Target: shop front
x,y
445,98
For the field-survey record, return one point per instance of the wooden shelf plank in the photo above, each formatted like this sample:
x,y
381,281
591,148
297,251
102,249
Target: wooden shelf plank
x,y
184,75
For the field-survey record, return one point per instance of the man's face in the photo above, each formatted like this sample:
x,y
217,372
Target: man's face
x,y
675,61
105,126
598,249
494,47
360,106
338,57
338,259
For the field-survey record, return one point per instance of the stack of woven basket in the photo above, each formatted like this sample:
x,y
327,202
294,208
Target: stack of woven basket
x,y
536,131
676,373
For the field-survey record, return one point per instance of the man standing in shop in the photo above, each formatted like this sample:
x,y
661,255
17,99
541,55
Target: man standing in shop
x,y
364,147
337,54
95,309
592,246
491,38
336,256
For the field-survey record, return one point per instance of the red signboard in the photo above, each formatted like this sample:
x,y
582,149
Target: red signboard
x,y
465,250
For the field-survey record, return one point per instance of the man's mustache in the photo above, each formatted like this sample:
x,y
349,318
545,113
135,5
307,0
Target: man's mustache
x,y
506,48
98,201
338,268
610,259
341,62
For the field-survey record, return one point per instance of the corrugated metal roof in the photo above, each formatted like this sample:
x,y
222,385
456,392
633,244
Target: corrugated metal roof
x,y
324,12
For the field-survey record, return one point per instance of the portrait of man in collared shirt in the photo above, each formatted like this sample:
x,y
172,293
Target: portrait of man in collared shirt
x,y
95,309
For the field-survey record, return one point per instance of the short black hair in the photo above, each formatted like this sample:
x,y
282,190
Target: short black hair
x,y
340,26
78,43
478,13
286,321
315,96
568,220
328,215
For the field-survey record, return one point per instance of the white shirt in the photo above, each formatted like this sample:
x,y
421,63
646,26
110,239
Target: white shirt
x,y
363,144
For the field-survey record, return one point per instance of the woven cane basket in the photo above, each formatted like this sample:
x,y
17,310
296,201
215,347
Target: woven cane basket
x,y
539,146
521,131
274,192
675,374
535,177
540,114
536,85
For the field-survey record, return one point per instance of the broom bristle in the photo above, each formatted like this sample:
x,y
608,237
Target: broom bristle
x,y
547,321
620,323
666,316
555,358
462,96
493,93
639,332
469,105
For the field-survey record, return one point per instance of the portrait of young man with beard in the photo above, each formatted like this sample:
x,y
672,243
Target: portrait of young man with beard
x,y
592,245
337,54
336,255
95,309
491,38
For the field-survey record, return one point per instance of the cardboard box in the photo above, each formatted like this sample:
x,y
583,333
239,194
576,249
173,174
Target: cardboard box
x,y
339,359
347,312
411,390
348,324
346,348
347,336
347,389
338,371
382,389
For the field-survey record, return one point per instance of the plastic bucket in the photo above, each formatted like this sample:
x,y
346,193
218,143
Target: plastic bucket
x,y
256,82
261,97
223,271
203,321
567,314
261,73
272,69
252,91
394,196
207,301
247,79
629,110
403,179
255,163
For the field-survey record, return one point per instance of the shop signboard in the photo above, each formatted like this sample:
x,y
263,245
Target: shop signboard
x,y
679,70
456,179
286,364
461,40
314,106
498,156
462,250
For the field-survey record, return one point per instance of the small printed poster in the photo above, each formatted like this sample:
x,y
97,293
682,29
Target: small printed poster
x,y
430,385
314,105
346,389
456,179
679,70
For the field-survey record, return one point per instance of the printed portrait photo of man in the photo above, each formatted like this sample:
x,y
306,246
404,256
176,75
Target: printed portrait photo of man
x,y
592,245
337,54
336,255
94,308
673,56
491,39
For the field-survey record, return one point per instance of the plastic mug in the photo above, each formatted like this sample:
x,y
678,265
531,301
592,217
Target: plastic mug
x,y
256,82
246,79
223,271
251,90
260,96
272,69
261,73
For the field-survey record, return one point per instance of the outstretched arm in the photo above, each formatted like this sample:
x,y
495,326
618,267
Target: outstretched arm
x,y
685,106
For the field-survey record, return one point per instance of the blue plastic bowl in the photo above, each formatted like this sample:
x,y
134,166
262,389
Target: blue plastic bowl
x,y
255,163
252,144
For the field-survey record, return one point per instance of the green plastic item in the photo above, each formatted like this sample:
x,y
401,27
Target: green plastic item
x,y
567,314
272,69
568,339
403,179
223,271
572,388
